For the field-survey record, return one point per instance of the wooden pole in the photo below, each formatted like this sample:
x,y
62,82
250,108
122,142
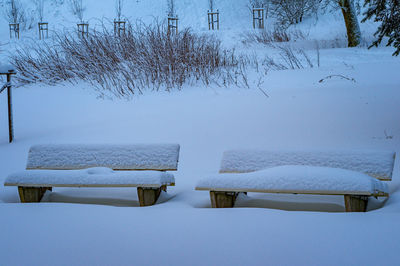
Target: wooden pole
x,y
208,16
217,19
10,115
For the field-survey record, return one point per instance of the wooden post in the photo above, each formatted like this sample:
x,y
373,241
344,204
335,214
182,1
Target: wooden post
x,y
172,24
32,194
83,29
14,30
43,30
213,18
223,199
258,17
356,203
8,85
148,196
119,27
217,20
209,19
10,114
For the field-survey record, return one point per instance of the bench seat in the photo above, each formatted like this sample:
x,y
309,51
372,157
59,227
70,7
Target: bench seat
x,y
91,177
296,179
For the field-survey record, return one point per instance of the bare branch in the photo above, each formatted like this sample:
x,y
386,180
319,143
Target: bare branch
x,y
337,76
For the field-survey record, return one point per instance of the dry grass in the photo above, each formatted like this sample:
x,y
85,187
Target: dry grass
x,y
145,57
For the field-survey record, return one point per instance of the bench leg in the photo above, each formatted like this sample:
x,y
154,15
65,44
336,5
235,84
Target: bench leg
x,y
148,196
223,199
32,194
355,203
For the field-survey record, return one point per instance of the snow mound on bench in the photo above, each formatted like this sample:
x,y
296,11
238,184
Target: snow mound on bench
x,y
120,157
297,179
99,176
378,164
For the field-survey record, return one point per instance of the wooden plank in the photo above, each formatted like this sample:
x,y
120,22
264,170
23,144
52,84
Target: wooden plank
x,y
86,185
380,177
82,168
333,193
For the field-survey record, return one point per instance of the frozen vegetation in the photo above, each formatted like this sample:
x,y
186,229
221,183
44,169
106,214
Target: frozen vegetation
x,y
297,87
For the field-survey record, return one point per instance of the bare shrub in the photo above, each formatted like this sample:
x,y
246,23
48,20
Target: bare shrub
x,y
171,7
258,3
289,12
14,12
266,36
290,58
39,6
119,5
77,8
145,57
211,5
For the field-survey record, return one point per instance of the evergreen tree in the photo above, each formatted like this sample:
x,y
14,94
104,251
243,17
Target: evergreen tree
x,y
387,12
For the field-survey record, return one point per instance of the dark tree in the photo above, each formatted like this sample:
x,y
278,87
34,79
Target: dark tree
x,y
387,12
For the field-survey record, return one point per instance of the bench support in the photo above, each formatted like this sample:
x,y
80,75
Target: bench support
x,y
32,194
223,199
149,196
355,203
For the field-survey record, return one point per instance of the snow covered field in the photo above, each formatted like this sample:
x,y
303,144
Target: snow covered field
x,y
108,228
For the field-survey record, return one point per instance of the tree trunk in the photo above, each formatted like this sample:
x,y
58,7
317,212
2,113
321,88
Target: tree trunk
x,y
352,26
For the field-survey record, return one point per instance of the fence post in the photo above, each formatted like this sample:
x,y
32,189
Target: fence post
x,y
14,30
119,27
258,17
10,114
213,18
172,24
83,29
8,71
43,30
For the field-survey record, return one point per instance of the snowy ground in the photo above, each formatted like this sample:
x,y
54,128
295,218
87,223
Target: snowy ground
x,y
181,229
106,226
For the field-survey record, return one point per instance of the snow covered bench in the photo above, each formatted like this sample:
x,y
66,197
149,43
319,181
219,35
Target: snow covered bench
x,y
353,174
51,166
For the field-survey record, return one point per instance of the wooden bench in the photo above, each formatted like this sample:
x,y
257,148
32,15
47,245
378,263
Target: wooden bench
x,y
141,166
357,175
